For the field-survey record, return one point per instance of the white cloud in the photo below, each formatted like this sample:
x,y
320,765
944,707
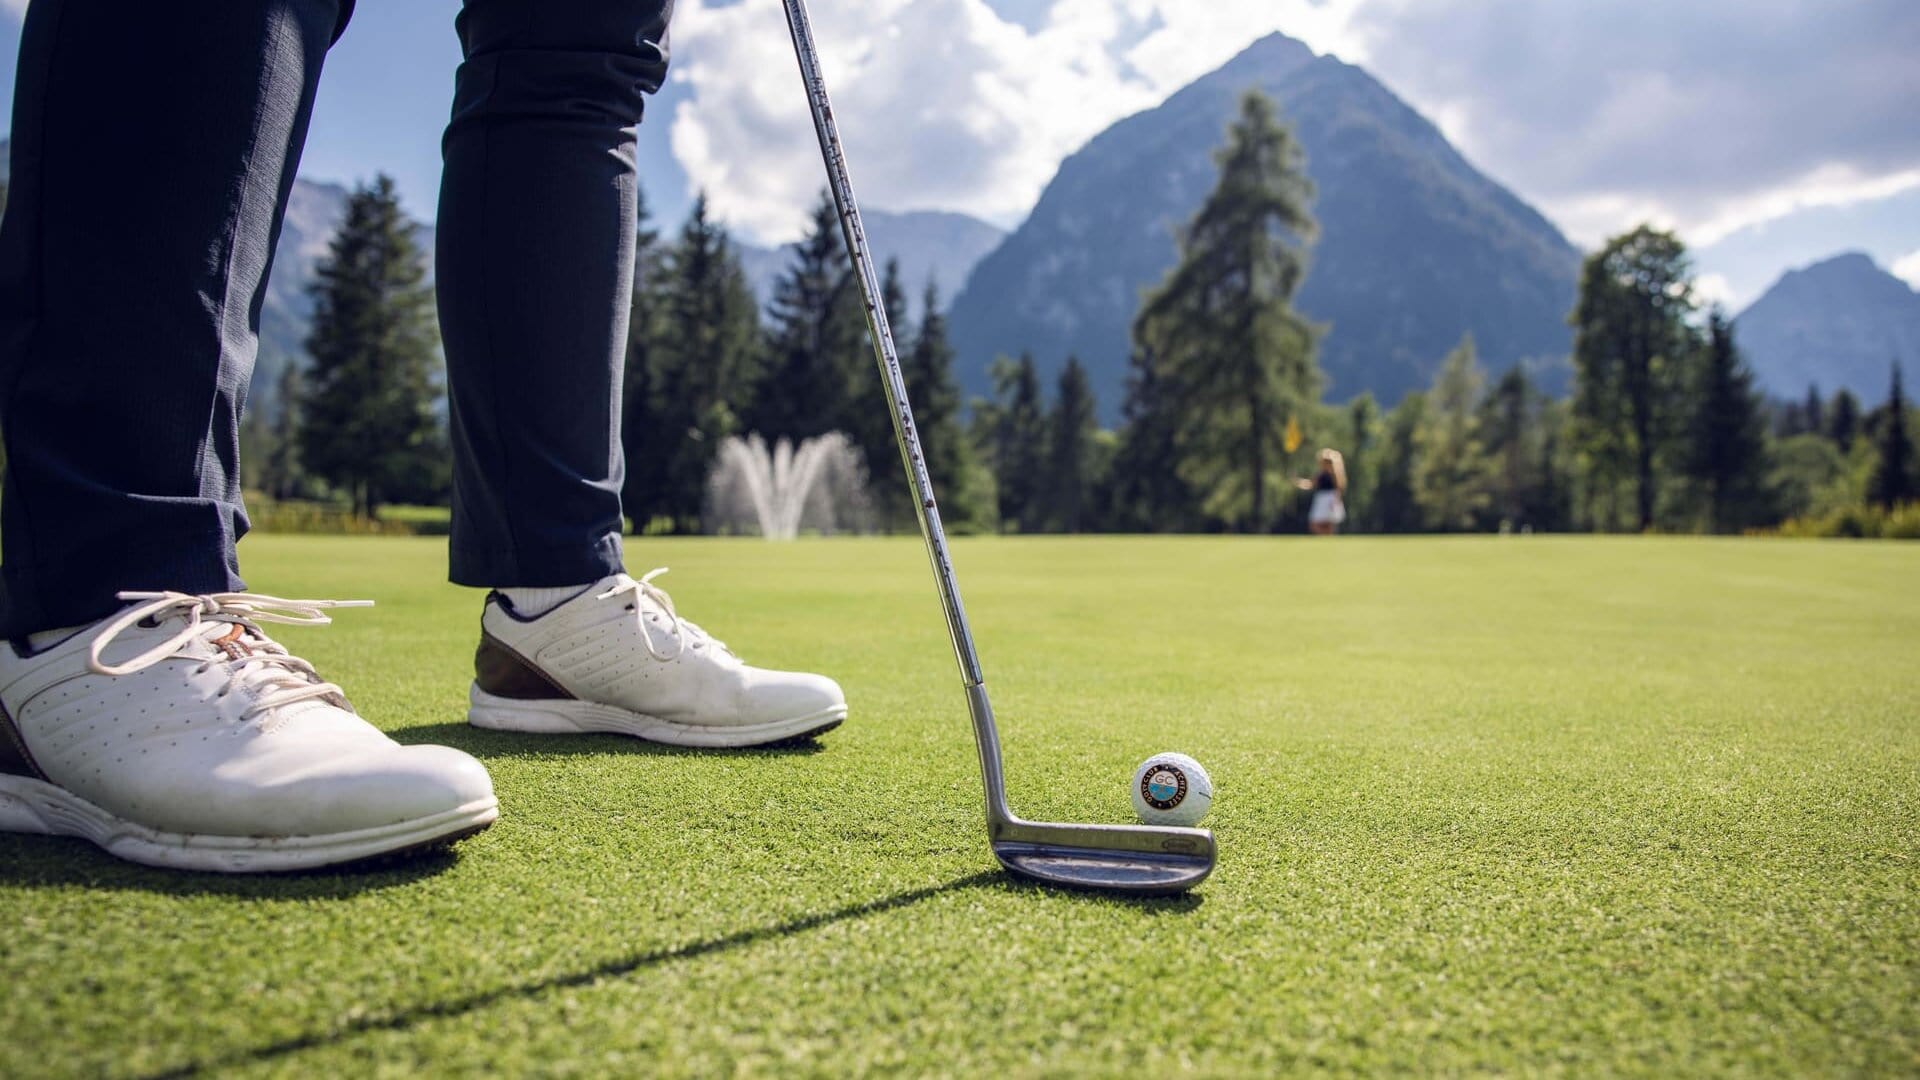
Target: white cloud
x,y
1714,289
942,104
1907,268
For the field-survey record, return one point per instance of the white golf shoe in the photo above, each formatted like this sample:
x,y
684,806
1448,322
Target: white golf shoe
x,y
617,658
178,734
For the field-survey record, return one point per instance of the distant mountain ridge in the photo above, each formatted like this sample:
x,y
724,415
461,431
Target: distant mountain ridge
x,y
1841,322
931,245
1416,246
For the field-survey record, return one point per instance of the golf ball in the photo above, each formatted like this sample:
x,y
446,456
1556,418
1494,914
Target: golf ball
x,y
1171,789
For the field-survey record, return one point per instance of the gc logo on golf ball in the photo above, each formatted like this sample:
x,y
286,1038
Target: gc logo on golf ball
x,y
1171,789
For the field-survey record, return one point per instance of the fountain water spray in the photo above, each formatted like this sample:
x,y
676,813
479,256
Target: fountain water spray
x,y
821,484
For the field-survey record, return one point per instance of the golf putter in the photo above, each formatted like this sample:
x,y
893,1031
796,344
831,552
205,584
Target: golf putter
x,y
1121,858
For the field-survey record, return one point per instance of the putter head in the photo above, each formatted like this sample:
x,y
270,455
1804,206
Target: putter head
x,y
1137,859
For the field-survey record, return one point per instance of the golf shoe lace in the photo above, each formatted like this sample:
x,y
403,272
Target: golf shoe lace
x,y
684,632
276,677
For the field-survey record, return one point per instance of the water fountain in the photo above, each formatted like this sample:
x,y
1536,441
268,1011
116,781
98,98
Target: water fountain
x,y
819,486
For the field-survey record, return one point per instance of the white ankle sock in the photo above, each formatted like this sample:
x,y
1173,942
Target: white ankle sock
x,y
533,603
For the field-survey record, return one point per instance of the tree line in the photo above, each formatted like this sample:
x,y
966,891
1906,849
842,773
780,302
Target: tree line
x,y
1223,404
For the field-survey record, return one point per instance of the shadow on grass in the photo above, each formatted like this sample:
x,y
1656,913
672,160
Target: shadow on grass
x,y
28,861
627,965
484,744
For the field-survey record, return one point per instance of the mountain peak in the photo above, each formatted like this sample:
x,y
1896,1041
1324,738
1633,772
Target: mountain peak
x,y
1417,247
1837,323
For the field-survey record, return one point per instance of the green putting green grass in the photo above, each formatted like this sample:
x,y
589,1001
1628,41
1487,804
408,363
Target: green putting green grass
x,y
1532,805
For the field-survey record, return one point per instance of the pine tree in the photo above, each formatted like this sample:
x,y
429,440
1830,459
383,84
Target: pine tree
x,y
1892,482
1726,436
1070,467
1363,452
1510,428
281,474
1395,506
644,442
1814,410
1236,358
936,412
1145,492
1015,428
1630,345
708,348
370,425
818,339
1843,420
869,421
1452,479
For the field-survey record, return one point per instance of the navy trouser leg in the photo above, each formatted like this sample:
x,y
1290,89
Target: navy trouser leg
x,y
534,270
154,144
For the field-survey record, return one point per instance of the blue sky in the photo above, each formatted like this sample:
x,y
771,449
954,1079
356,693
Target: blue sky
x,y
1770,132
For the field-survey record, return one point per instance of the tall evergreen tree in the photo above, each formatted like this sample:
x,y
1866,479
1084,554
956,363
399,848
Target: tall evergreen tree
x,y
1236,357
707,350
1070,464
1362,454
370,423
281,474
869,422
1511,431
818,339
1145,491
1630,342
1015,426
1395,506
1451,480
1815,411
1726,436
1892,482
1843,420
644,442
936,411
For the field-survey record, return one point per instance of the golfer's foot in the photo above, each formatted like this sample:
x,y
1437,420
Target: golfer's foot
x,y
178,734
616,658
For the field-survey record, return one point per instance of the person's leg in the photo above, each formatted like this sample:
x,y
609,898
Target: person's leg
x,y
534,270
154,145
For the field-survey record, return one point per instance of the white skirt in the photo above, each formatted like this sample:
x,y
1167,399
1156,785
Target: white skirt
x,y
1328,508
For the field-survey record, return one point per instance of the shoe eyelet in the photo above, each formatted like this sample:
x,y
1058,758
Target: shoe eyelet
x,y
148,623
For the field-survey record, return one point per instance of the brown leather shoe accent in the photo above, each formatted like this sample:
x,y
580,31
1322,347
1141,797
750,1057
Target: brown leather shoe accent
x,y
15,758
504,673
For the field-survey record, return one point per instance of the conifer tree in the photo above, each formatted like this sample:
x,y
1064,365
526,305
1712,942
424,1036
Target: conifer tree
x,y
1815,410
1726,436
936,411
643,442
1630,346
1451,480
1510,429
1843,420
370,426
1396,508
869,421
1235,356
1362,456
1015,428
707,350
819,338
1070,465
1145,492
1892,482
281,474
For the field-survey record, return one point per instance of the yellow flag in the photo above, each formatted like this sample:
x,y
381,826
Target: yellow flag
x,y
1293,435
